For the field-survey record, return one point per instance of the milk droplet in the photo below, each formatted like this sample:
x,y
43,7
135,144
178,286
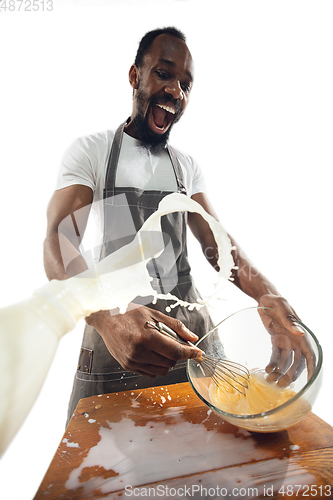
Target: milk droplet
x,y
70,444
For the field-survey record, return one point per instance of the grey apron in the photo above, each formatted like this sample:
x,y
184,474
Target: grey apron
x,y
98,372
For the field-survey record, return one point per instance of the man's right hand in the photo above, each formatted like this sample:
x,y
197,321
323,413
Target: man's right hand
x,y
140,348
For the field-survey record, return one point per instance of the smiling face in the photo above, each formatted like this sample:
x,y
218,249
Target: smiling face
x,y
162,86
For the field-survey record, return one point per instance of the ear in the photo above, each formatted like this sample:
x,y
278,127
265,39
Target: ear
x,y
134,76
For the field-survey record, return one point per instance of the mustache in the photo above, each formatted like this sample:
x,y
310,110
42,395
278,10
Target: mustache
x,y
167,100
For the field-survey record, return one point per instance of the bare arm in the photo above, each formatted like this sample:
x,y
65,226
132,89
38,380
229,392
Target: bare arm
x,y
286,334
67,216
247,278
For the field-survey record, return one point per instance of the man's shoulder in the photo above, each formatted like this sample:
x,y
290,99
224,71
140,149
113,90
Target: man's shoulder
x,y
88,151
99,139
183,156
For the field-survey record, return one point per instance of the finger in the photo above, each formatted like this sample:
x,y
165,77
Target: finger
x,y
281,360
153,366
177,326
175,351
286,358
280,342
274,360
297,366
280,372
293,325
172,349
303,354
284,381
309,355
169,347
182,330
153,358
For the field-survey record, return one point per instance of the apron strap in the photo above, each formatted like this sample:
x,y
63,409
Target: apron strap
x,y
110,178
178,169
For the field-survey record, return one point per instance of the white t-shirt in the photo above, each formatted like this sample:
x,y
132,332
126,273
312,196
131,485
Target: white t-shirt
x,y
85,163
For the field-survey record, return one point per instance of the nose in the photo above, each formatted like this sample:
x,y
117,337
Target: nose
x,y
174,88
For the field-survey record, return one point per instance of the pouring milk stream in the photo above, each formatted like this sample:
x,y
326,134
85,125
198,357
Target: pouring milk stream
x,y
30,330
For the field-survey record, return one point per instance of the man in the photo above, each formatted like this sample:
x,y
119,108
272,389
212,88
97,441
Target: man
x,y
136,164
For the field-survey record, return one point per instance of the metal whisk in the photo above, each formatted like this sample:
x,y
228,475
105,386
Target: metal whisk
x,y
221,370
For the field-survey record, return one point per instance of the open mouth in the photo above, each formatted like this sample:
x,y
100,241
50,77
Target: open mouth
x,y
162,116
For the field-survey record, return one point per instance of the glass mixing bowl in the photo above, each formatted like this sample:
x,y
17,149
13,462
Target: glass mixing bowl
x,y
256,338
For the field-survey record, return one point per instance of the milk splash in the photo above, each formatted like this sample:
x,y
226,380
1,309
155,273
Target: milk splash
x,y
128,265
30,331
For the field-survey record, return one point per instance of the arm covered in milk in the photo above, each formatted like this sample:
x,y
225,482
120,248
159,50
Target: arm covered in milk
x,y
244,275
250,281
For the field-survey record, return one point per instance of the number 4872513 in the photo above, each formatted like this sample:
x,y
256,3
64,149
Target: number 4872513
x,y
26,5
301,491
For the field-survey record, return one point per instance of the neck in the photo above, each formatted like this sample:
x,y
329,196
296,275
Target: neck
x,y
130,129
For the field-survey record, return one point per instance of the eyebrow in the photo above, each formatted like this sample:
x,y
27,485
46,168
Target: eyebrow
x,y
173,64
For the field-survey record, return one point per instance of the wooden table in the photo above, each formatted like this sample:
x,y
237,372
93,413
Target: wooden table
x,y
163,442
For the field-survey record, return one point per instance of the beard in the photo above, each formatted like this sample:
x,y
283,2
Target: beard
x,y
155,142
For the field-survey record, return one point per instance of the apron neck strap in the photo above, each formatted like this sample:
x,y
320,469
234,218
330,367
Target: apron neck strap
x,y
177,169
110,178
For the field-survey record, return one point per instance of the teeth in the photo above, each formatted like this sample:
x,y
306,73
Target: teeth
x,y
167,108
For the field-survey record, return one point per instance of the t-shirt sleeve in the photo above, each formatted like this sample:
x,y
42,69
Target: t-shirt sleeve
x,y
78,164
198,181
193,176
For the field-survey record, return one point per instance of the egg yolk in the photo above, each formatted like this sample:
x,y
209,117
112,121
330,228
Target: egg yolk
x,y
259,397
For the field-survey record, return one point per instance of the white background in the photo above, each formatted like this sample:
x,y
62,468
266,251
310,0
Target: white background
x,y
259,122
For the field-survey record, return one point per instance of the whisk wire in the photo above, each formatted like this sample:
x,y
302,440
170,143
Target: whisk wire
x,y
224,370
220,370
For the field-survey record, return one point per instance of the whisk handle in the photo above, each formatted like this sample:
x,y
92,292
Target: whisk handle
x,y
161,327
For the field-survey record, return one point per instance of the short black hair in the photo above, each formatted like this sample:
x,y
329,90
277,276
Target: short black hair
x,y
148,39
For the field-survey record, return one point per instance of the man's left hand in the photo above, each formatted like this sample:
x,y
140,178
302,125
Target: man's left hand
x,y
290,346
